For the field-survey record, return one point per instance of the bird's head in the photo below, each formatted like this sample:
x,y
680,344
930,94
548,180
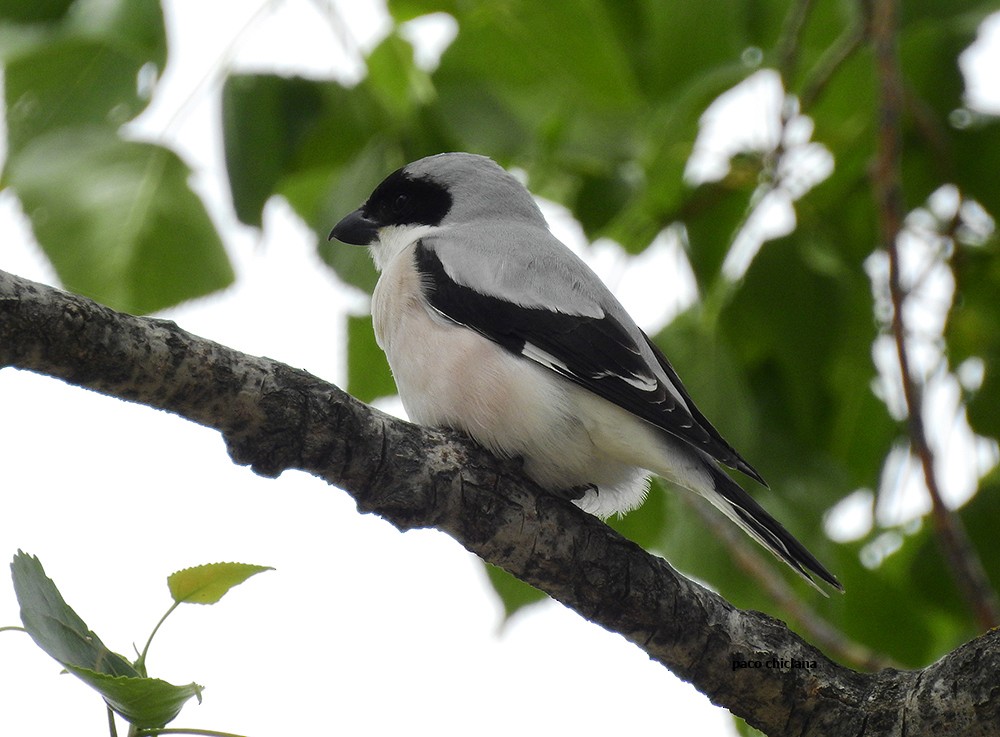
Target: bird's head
x,y
436,192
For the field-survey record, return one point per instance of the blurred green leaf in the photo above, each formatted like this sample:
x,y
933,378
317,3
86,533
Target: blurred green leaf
x,y
745,730
97,66
21,12
976,148
293,136
368,375
513,592
801,324
264,119
394,79
543,46
713,216
405,10
667,40
118,219
972,330
206,584
78,81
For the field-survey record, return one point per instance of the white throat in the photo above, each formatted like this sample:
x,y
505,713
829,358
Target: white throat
x,y
393,239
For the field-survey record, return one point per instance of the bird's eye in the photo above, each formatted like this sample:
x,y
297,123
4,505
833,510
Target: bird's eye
x,y
399,204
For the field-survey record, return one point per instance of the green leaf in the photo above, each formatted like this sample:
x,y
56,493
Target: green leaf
x,y
404,10
95,67
19,11
713,215
977,160
368,374
393,78
118,219
972,330
144,702
745,730
713,375
543,46
60,632
55,627
264,119
298,138
513,592
77,81
894,608
208,583
675,44
801,325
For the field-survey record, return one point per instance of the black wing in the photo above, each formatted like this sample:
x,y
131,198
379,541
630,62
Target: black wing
x,y
596,353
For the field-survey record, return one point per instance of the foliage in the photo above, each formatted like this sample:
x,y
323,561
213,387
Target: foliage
x,y
600,103
116,217
146,703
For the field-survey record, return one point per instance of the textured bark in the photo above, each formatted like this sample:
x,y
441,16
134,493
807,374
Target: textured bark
x,y
275,418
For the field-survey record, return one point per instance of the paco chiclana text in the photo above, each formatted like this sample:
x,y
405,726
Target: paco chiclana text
x,y
774,663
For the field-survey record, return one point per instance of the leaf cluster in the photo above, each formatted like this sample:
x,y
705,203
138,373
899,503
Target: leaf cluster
x,y
146,703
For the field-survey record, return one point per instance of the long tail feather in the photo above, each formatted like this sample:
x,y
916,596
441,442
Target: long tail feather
x,y
740,507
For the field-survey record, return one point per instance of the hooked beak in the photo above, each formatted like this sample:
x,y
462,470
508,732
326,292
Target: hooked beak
x,y
355,229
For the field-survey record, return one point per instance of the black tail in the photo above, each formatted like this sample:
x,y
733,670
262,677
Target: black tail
x,y
740,507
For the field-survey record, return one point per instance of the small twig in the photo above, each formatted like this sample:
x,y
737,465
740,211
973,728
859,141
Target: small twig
x,y
788,42
848,42
962,558
821,632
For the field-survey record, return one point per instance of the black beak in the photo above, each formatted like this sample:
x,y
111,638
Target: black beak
x,y
355,229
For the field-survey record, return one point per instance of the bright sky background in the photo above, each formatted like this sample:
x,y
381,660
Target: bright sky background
x,y
361,630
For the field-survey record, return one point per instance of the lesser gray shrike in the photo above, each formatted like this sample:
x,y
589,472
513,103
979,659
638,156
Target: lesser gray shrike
x,y
492,326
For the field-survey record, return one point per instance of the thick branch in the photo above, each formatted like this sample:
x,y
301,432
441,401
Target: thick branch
x,y
276,418
958,551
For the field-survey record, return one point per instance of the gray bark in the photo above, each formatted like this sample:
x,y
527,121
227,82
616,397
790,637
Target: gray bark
x,y
274,418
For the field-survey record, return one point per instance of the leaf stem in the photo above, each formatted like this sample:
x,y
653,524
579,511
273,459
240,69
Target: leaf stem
x,y
183,730
140,664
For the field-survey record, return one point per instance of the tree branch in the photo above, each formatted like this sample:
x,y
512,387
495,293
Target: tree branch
x,y
275,418
958,551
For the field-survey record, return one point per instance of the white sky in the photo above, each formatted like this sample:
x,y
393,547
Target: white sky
x,y
361,630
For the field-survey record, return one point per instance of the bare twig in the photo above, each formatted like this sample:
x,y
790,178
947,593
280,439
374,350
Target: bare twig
x,y
961,557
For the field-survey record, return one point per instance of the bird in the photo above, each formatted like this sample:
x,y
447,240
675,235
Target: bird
x,y
494,327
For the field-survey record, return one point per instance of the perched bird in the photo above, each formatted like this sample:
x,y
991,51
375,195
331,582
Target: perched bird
x,y
492,326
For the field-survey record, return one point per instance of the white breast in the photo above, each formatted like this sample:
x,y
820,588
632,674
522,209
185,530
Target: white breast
x,y
451,376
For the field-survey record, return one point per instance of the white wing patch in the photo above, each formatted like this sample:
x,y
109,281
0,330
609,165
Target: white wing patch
x,y
537,355
643,382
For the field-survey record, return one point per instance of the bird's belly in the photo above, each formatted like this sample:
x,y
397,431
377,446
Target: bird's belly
x,y
450,376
